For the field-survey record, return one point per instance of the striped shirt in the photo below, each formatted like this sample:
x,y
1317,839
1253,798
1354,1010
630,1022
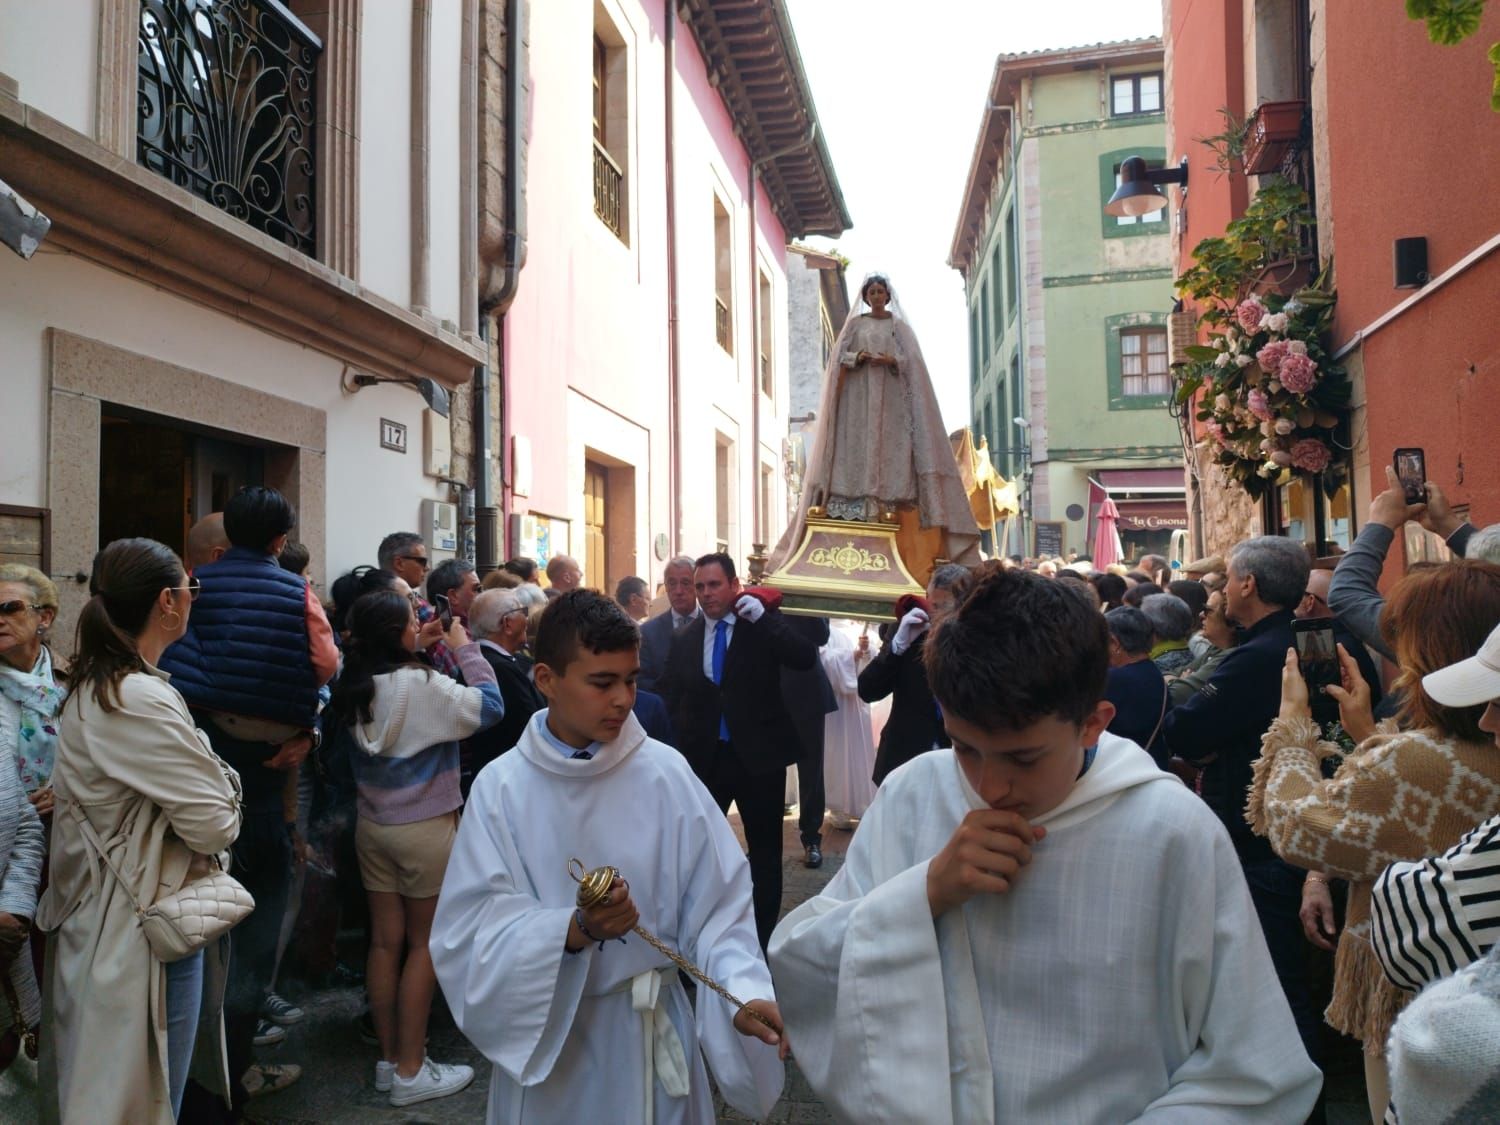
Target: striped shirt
x,y
1432,918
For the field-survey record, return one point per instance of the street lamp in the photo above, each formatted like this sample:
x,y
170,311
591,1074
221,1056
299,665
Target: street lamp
x,y
1139,193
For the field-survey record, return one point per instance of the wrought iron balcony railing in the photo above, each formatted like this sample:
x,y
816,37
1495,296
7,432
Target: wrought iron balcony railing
x,y
608,190
227,93
721,325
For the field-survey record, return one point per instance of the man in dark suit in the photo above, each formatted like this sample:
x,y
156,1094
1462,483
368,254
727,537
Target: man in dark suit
x,y
497,619
915,725
809,698
657,633
723,689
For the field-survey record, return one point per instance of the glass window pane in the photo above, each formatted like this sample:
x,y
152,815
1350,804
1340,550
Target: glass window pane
x,y
1130,343
1124,95
1150,93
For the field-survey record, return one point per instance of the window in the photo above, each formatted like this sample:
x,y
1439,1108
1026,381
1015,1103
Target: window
x,y
1135,93
769,525
723,278
611,102
723,492
1012,279
973,348
767,342
1001,320
1020,438
1143,361
984,322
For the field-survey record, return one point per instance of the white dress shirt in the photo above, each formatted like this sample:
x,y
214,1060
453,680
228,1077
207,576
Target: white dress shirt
x,y
709,625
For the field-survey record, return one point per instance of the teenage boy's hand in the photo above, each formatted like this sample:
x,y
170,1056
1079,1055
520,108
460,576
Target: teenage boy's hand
x,y
616,916
749,1026
984,856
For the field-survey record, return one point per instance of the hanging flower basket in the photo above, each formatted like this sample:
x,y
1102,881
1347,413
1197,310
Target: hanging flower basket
x,y
1272,132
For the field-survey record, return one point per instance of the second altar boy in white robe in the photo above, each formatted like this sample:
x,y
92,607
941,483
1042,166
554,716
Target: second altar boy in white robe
x,y
581,1026
1037,925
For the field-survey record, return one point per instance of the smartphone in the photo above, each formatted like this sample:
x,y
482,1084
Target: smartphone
x,y
1317,654
444,610
1411,471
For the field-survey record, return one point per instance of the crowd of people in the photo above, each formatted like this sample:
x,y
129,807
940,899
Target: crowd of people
x,y
1098,815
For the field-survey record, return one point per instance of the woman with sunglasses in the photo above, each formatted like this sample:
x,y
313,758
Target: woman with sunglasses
x,y
133,768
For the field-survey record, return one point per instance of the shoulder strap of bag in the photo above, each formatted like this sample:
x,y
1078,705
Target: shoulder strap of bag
x,y
94,842
1165,696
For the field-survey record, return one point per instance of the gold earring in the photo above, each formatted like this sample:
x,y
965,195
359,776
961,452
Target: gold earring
x,y
176,621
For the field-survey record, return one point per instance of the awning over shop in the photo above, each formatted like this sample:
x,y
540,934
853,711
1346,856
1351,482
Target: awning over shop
x,y
1120,481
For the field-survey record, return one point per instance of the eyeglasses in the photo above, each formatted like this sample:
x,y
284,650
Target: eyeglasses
x,y
422,560
10,609
192,586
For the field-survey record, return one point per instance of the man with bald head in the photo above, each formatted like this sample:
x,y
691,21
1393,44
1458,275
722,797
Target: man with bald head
x,y
564,573
206,541
1314,603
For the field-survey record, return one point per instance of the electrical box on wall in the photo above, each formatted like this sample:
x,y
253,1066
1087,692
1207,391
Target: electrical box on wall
x,y
440,526
437,445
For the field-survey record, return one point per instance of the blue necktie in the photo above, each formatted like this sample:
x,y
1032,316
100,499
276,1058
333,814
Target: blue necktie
x,y
721,646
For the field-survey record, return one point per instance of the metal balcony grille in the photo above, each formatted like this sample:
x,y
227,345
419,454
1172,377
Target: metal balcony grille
x,y
721,325
227,93
608,190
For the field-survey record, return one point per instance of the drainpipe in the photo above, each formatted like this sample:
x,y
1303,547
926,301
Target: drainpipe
x,y
490,540
674,343
757,539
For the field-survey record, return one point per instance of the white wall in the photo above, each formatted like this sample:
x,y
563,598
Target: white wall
x,y
369,491
385,149
444,172
52,49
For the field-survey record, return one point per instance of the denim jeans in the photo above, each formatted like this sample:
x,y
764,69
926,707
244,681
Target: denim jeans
x,y
184,999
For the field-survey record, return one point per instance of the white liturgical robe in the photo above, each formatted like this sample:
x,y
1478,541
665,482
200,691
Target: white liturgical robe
x,y
1122,978
574,1036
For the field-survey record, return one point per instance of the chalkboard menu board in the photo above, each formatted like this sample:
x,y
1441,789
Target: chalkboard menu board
x,y
1047,539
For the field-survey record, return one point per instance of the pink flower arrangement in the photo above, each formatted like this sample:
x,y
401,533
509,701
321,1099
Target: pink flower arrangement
x,y
1298,374
1216,431
1249,314
1270,356
1260,405
1311,455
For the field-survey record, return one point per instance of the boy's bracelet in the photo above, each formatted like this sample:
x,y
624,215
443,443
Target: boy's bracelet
x,y
584,930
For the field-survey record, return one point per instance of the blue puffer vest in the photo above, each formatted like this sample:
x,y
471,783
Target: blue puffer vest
x,y
246,648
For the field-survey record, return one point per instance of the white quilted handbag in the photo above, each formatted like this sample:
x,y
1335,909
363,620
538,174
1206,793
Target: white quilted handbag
x,y
185,921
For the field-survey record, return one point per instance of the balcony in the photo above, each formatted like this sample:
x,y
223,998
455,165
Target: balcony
x,y
721,325
609,183
227,104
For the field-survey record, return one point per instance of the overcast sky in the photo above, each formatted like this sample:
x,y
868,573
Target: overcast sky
x,y
900,88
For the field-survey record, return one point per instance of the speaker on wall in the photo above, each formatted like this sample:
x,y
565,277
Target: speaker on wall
x,y
1410,256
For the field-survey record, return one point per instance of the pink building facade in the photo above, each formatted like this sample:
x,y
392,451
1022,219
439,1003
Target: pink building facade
x,y
644,405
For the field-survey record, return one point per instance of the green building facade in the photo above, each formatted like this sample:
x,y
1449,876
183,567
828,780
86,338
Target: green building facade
x,y
1068,306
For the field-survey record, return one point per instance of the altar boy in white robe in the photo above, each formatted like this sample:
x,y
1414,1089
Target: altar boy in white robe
x,y
1038,924
583,1020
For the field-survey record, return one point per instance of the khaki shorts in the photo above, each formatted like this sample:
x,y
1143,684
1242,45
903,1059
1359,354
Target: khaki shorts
x,y
405,859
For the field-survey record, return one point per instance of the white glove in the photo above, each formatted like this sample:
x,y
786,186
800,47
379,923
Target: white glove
x,y
751,608
912,626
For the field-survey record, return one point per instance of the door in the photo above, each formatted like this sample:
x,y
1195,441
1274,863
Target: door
x,y
595,532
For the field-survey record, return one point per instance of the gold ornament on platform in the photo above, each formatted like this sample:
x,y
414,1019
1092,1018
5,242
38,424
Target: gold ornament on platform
x,y
849,559
593,888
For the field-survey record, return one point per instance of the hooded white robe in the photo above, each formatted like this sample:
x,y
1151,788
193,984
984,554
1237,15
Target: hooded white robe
x,y
1123,978
560,1028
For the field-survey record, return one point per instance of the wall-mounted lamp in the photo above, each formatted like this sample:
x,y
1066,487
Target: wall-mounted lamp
x,y
1022,422
1139,192
22,226
433,393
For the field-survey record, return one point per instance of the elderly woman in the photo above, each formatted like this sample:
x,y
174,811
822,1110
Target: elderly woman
x,y
135,776
1172,623
1135,685
30,695
1410,789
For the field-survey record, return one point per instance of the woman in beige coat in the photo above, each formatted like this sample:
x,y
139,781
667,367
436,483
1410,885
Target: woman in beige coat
x,y
119,1026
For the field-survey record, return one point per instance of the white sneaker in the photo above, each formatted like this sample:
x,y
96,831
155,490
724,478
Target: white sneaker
x,y
385,1073
434,1080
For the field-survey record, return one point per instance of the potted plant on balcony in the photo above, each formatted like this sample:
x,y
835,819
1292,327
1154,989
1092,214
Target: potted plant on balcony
x,y
1272,131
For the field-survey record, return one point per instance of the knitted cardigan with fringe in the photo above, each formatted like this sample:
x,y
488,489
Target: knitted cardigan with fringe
x,y
1401,795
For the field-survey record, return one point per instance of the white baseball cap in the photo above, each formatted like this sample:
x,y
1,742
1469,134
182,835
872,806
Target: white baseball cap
x,y
1469,682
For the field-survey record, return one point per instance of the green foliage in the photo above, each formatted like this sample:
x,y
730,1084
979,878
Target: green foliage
x,y
1450,22
1228,146
1226,268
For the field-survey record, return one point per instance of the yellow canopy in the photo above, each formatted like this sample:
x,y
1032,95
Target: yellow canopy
x,y
991,496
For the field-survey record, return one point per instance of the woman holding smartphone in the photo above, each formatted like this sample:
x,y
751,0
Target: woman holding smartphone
x,y
407,720
1411,788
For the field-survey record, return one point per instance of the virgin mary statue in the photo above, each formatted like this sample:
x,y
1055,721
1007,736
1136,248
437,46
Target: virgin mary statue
x,y
880,450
